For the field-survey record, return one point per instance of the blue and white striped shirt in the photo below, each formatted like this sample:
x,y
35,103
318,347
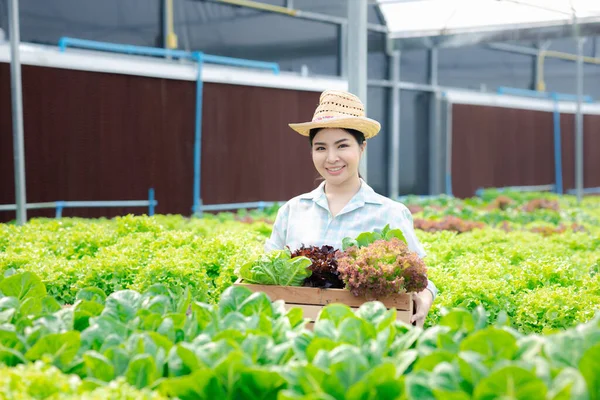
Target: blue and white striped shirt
x,y
306,220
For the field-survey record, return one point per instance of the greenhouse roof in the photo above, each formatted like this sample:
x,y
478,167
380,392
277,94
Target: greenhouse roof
x,y
451,23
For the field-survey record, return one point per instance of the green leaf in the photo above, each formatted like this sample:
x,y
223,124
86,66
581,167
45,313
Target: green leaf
x,y
405,360
569,384
377,314
472,368
380,383
50,305
11,357
459,320
295,316
182,360
348,242
430,361
348,366
232,299
23,286
141,371
31,307
511,382
122,305
258,383
356,331
84,310
9,338
491,342
366,238
417,386
8,309
336,313
256,304
119,359
159,304
258,347
590,369
319,344
61,347
529,347
565,349
91,294
98,366
276,268
201,384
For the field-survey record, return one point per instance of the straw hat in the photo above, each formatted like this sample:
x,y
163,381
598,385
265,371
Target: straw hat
x,y
339,109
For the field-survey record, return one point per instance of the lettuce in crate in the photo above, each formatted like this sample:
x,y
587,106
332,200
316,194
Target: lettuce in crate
x,y
276,267
324,266
378,264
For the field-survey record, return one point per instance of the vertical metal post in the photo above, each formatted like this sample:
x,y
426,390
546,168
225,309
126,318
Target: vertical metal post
x,y
579,123
17,111
394,149
165,24
436,154
197,204
343,50
449,149
357,58
557,146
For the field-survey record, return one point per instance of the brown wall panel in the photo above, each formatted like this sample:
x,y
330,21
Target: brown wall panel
x,y
497,147
96,136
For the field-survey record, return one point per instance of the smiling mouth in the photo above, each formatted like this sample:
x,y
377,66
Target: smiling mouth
x,y
337,169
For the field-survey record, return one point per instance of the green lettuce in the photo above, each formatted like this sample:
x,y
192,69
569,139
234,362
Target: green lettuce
x,y
276,268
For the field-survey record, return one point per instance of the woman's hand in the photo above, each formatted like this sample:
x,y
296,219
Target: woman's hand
x,y
423,301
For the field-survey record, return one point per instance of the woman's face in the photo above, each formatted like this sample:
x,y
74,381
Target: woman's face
x,y
336,155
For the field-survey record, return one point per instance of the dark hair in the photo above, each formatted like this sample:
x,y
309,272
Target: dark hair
x,y
358,135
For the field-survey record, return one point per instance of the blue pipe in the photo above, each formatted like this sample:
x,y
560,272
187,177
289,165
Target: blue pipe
x,y
65,42
151,202
593,190
449,184
59,209
198,134
197,56
541,95
557,147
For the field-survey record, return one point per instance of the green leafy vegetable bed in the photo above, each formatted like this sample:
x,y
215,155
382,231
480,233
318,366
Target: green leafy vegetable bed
x,y
543,281
246,347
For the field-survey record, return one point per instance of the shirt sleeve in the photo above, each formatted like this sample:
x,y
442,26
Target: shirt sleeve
x,y
414,244
409,233
277,240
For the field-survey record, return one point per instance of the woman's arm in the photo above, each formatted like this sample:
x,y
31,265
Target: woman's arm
x,y
278,235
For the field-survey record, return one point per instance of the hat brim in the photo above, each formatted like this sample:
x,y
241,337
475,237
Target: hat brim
x,y
369,127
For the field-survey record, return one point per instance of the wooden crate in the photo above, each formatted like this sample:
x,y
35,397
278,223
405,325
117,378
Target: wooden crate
x,y
312,300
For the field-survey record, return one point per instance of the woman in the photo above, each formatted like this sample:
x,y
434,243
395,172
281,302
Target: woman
x,y
343,205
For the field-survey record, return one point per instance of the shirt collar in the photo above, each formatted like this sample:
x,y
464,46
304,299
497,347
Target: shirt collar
x,y
365,194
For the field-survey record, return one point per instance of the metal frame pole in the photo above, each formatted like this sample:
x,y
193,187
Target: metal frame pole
x,y
17,111
357,58
394,149
579,123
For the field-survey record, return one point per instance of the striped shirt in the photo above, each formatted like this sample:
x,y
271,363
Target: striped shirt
x,y
306,220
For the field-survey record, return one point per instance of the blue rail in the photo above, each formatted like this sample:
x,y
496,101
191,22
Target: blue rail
x,y
542,95
65,42
200,58
60,205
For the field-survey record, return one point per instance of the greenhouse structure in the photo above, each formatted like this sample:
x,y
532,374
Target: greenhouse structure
x,y
182,106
